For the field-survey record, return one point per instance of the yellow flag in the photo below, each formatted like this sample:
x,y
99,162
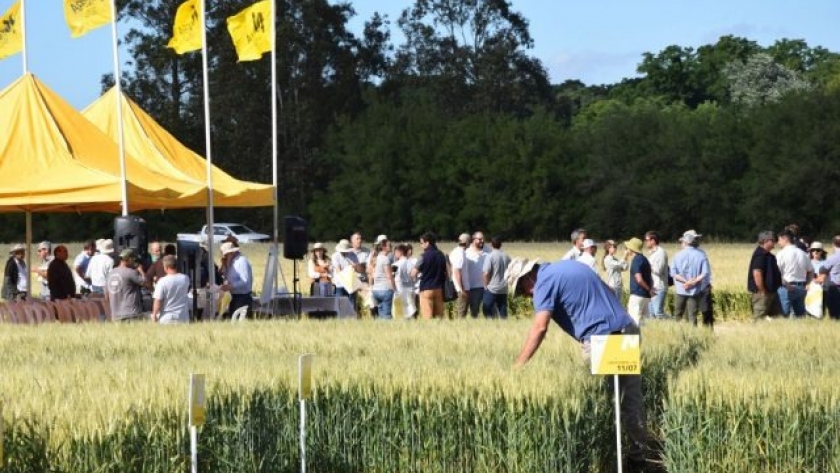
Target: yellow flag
x,y
85,15
251,31
186,32
11,32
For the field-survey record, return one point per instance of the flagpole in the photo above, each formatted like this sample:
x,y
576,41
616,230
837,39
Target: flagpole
x,y
274,129
23,34
118,85
209,154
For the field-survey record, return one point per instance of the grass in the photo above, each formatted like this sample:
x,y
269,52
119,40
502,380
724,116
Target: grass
x,y
412,396
762,398
95,394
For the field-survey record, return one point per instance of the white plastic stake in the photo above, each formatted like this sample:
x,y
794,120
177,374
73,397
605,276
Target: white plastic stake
x,y
305,383
617,420
198,409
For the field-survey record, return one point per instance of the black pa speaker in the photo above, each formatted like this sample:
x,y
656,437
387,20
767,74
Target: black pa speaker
x,y
295,237
130,232
187,252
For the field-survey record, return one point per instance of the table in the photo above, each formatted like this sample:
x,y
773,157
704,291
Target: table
x,y
284,305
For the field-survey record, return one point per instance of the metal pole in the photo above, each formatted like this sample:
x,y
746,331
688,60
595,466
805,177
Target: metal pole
x,y
29,254
23,35
303,436
617,421
118,85
209,155
276,208
194,449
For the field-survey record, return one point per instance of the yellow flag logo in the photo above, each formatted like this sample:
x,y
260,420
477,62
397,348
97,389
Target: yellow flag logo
x,y
615,354
186,32
11,32
251,30
85,15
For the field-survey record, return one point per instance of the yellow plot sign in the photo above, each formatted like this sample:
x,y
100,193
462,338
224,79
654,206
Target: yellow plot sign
x,y
305,375
198,400
615,354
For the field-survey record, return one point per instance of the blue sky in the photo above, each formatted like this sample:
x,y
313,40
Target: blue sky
x,y
594,41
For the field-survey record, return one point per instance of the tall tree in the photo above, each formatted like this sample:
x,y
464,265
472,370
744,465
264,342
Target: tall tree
x,y
473,52
322,70
760,80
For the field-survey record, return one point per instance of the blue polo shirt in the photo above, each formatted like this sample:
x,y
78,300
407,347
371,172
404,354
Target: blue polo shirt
x,y
640,264
579,302
690,263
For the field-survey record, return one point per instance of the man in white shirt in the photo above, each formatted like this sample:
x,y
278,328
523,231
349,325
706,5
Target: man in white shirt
x,y
45,253
475,256
100,265
458,262
578,236
171,297
796,271
659,270
587,257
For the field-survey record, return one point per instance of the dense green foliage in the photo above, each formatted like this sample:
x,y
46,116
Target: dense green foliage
x,y
457,127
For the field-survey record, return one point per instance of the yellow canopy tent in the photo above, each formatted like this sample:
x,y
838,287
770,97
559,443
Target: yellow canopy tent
x,y
53,159
163,153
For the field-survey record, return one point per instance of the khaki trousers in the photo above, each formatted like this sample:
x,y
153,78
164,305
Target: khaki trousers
x,y
431,303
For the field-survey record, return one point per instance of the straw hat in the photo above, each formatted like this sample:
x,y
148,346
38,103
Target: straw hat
x,y
634,245
689,237
17,247
106,247
318,246
343,246
228,247
816,246
518,268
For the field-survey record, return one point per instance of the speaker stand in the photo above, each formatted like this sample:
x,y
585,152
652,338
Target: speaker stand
x,y
270,289
296,294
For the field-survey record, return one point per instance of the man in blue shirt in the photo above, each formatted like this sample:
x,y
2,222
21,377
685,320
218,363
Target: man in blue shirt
x,y
692,279
641,281
831,267
238,278
572,295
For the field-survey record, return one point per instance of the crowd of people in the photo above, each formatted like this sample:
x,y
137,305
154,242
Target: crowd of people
x,y
651,274
147,287
394,282
390,279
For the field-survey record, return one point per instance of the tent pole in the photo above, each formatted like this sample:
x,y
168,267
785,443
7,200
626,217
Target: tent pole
x,y
29,252
24,55
208,154
118,85
276,208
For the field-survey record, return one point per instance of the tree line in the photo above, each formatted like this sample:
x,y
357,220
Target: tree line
x,y
458,127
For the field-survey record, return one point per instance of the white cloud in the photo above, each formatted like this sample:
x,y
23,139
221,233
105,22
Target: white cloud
x,y
592,67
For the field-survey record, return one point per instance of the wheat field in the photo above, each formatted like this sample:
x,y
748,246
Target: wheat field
x,y
416,396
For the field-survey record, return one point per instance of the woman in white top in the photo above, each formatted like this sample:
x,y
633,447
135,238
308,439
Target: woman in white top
x,y
404,294
382,277
613,266
320,270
